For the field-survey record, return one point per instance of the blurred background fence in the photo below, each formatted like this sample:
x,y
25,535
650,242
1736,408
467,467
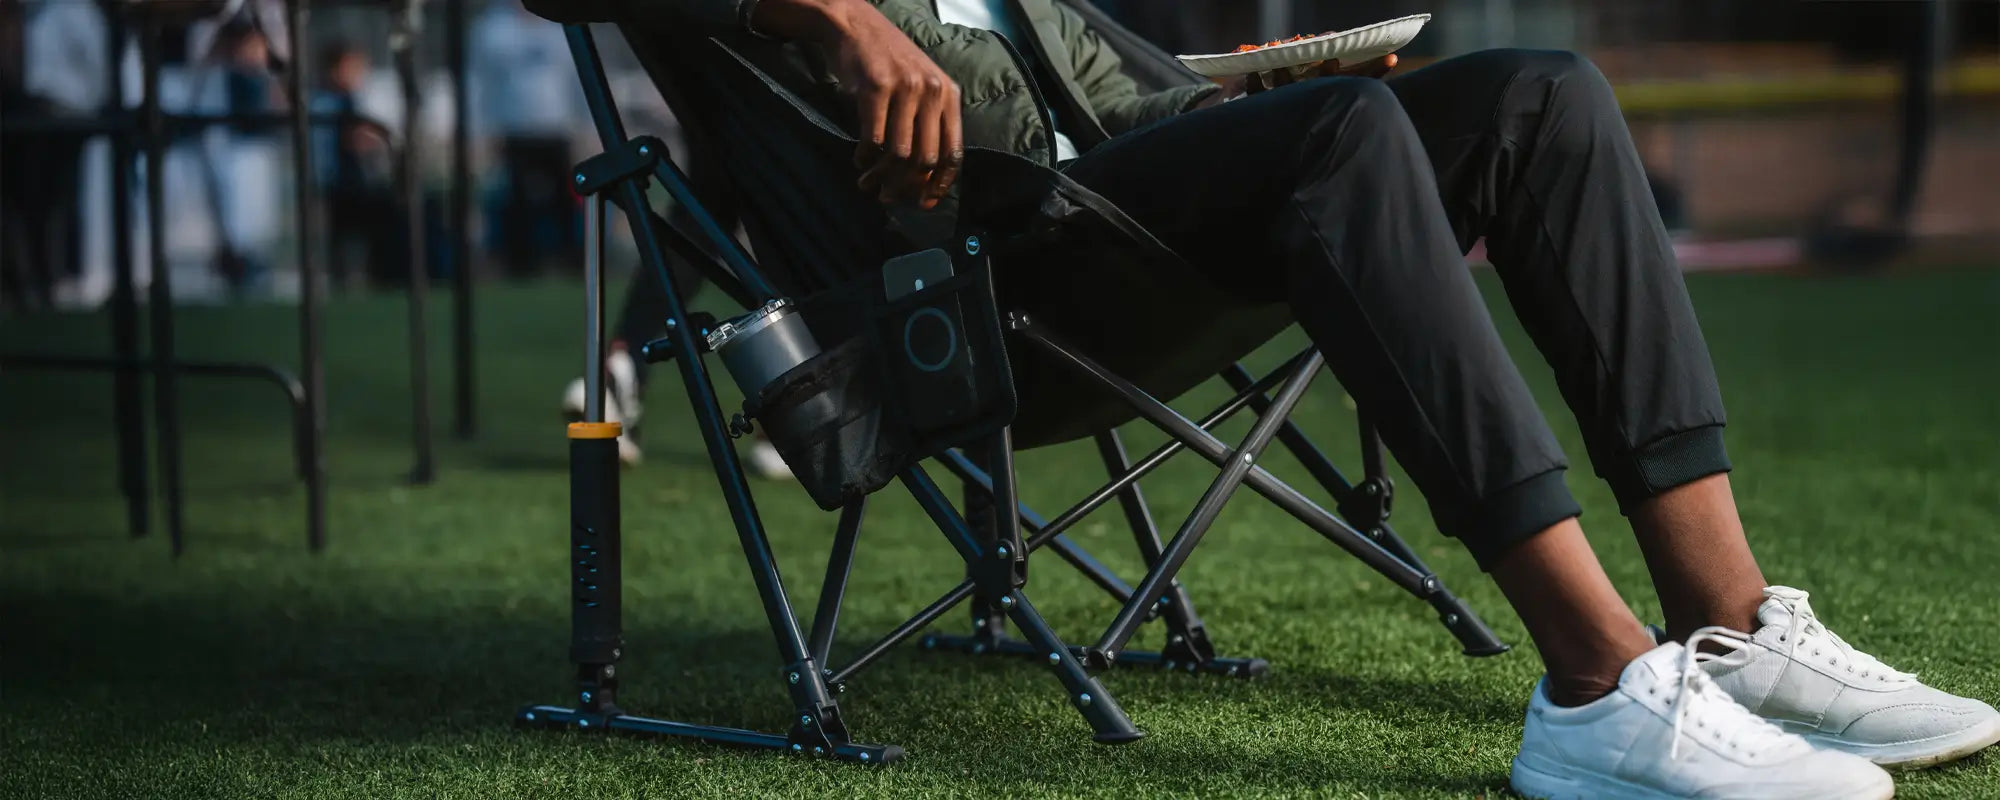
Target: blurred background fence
x,y
1769,126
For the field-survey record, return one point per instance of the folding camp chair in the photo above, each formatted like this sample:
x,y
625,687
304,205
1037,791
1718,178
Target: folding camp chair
x,y
1069,365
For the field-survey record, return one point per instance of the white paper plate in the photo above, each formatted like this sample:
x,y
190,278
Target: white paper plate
x,y
1349,47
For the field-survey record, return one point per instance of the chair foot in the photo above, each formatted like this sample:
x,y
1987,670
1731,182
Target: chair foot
x,y
557,718
1118,738
1008,646
1475,639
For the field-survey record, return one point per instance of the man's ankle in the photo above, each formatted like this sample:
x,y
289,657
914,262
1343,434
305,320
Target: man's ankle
x,y
1740,616
1583,674
1570,691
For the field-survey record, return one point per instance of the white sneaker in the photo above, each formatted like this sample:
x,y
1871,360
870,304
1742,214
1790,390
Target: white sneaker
x,y
764,461
621,384
1669,732
1797,673
621,403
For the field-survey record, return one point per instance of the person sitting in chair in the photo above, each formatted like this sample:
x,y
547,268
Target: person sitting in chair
x,y
1354,200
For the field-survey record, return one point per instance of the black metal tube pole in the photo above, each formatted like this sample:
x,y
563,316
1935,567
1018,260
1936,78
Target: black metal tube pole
x,y
1178,607
1159,455
925,617
1096,705
166,398
312,370
827,618
127,399
1294,439
1323,470
962,466
465,423
694,373
724,244
1205,511
949,522
1371,447
408,31
1260,481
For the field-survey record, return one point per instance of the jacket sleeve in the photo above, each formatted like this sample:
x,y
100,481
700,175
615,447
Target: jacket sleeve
x,y
1119,104
720,14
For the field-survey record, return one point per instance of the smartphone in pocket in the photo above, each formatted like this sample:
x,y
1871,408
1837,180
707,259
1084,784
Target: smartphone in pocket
x,y
927,343
908,274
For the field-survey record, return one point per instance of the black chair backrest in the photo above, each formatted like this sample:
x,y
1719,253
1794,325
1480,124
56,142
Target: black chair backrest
x,y
788,165
1152,68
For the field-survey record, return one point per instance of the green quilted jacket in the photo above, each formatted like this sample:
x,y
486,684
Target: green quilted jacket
x,y
1005,107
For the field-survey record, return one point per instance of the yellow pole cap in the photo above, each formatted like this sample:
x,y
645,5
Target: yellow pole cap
x,y
595,430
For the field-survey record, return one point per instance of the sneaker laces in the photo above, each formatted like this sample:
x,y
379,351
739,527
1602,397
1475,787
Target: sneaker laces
x,y
1751,732
1804,623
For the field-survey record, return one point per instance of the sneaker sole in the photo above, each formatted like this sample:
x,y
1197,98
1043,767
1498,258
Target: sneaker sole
x,y
1535,783
1541,784
1918,754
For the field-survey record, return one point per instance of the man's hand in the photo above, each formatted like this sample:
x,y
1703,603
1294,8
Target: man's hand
x,y
912,144
1373,68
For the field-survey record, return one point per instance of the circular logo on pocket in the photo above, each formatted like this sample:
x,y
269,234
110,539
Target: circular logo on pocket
x,y
935,327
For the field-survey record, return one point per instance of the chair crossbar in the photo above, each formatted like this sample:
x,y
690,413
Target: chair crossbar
x,y
1364,505
1176,553
1125,477
924,618
1471,632
1187,640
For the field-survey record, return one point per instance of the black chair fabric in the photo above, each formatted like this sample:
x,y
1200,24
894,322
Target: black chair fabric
x,y
1090,273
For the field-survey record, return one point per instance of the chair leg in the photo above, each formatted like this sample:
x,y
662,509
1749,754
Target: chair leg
x,y
1472,634
989,636
1366,506
827,618
1236,467
999,574
1187,638
819,729
989,621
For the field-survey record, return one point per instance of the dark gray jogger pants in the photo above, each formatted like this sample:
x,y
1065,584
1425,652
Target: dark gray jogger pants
x,y
1355,200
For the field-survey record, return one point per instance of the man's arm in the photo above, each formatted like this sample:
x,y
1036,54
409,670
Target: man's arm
x,y
912,143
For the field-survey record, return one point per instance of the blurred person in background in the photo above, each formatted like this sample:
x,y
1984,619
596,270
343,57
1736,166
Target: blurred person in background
x,y
527,100
355,174
24,274
242,54
55,65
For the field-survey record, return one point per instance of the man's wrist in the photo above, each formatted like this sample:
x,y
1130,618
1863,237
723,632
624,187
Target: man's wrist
x,y
1227,89
809,20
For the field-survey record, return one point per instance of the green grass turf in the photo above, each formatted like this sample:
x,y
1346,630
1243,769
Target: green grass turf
x,y
1862,426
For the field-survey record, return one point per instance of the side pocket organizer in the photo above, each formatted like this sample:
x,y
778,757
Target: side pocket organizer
x,y
828,418
944,360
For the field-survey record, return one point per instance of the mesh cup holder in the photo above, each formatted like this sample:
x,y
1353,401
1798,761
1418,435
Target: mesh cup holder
x,y
910,378
827,418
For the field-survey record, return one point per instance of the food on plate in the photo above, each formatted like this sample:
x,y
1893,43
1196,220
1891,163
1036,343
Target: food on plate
x,y
1275,42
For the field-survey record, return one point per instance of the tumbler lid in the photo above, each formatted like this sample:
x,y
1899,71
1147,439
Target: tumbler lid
x,y
749,324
